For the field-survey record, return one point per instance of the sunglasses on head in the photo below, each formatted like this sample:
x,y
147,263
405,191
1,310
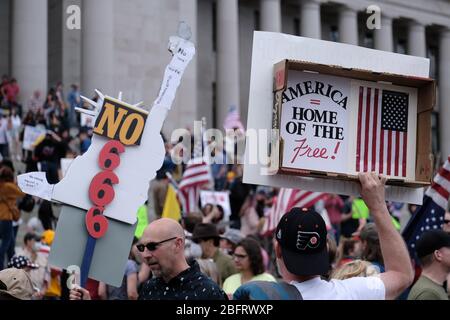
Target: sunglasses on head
x,y
151,246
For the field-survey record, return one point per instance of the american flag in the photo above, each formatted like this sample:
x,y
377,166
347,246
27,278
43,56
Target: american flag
x,y
382,132
286,200
431,214
233,120
196,176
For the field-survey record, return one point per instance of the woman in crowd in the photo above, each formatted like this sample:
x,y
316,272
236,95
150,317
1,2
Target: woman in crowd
x,y
249,262
9,193
349,250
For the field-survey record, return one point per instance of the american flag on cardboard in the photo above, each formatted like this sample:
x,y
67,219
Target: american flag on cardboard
x,y
431,214
286,200
382,134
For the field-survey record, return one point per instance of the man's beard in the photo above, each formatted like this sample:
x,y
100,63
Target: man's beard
x,y
159,272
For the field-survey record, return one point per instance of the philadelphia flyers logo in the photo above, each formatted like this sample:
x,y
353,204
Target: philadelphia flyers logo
x,y
307,239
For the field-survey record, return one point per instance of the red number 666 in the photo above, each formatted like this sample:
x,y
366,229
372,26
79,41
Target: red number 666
x,y
101,191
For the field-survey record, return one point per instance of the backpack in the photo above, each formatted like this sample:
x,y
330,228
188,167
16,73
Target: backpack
x,y
267,290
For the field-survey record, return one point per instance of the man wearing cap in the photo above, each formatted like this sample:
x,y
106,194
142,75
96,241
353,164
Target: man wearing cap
x,y
207,236
301,252
433,250
230,239
31,249
15,284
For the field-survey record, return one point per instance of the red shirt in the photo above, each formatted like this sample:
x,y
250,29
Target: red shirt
x,y
334,206
92,287
11,92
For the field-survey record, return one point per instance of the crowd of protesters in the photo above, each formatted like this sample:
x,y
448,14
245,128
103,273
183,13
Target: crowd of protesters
x,y
207,255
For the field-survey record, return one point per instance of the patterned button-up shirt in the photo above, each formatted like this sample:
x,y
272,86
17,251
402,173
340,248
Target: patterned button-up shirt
x,y
189,284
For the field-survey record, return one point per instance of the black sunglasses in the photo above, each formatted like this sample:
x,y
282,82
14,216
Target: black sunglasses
x,y
446,221
151,246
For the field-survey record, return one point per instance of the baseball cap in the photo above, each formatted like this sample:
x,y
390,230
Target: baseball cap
x,y
20,262
430,241
16,283
302,235
233,235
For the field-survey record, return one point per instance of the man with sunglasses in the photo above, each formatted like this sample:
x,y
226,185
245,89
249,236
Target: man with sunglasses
x,y
162,248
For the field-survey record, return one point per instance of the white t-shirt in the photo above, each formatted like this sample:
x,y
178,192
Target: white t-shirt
x,y
358,288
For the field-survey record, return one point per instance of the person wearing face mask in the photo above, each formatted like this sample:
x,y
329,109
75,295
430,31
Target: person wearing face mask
x,y
31,249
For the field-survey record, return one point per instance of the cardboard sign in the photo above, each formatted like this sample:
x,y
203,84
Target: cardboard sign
x,y
120,121
315,122
221,198
86,120
35,184
340,126
31,134
270,48
139,164
65,164
70,241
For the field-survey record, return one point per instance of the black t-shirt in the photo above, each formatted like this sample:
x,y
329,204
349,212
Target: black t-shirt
x,y
49,150
351,225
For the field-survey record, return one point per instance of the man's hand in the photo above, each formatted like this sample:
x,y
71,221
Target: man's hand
x,y
79,293
372,190
399,273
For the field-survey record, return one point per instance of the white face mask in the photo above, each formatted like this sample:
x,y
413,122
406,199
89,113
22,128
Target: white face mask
x,y
37,246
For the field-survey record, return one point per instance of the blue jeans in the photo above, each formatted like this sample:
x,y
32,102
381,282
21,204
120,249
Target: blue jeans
x,y
12,246
4,150
7,233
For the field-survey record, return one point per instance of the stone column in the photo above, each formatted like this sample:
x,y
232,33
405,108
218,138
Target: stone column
x,y
188,91
270,15
348,25
416,39
29,47
310,19
383,37
227,58
444,92
97,34
5,37
71,54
